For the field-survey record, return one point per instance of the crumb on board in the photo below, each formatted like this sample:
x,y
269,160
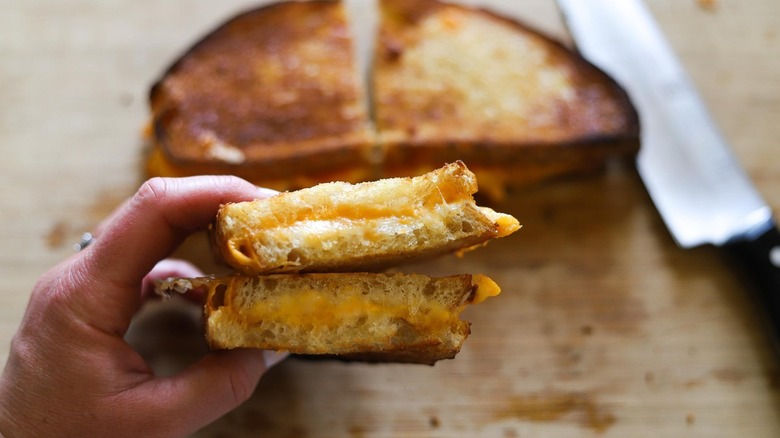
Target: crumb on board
x,y
708,5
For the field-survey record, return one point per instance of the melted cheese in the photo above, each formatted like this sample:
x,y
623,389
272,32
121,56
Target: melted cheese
x,y
506,225
485,288
312,308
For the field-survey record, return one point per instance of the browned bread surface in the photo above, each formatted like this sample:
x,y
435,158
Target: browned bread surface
x,y
454,82
273,96
273,92
340,226
410,318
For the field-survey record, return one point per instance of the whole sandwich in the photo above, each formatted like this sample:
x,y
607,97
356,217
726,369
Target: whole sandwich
x,y
310,261
275,96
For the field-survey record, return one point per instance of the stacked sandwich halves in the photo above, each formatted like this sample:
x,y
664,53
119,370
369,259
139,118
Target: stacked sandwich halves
x,y
309,264
274,95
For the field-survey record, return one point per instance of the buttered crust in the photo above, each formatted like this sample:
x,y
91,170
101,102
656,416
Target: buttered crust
x,y
272,92
339,226
456,82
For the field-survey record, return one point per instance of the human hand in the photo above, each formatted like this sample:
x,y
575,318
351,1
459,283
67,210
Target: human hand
x,y
71,373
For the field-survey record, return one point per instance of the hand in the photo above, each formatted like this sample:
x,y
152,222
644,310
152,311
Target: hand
x,y
71,373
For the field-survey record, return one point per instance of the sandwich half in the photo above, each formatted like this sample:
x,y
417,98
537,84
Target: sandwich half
x,y
456,82
356,227
409,318
272,95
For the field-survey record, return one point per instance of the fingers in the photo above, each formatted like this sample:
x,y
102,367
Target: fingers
x,y
162,212
261,193
209,389
143,231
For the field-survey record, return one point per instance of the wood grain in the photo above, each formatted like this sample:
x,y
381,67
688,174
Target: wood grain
x,y
604,328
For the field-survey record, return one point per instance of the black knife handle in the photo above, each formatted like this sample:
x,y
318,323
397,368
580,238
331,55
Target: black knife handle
x,y
758,256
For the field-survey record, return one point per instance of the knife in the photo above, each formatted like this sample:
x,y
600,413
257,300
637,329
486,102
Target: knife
x,y
697,185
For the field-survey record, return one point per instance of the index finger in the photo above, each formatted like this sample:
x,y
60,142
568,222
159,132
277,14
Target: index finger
x,y
146,229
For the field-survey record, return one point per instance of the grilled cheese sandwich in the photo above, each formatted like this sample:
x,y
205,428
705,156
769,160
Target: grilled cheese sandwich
x,y
339,226
397,317
273,96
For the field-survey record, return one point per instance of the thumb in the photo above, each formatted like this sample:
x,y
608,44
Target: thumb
x,y
215,385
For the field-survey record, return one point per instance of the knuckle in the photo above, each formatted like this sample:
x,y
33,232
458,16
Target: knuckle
x,y
153,190
52,291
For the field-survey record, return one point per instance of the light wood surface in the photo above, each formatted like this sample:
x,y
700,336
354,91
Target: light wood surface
x,y
604,327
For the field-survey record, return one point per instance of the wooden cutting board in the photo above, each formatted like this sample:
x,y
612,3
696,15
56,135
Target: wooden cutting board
x,y
604,327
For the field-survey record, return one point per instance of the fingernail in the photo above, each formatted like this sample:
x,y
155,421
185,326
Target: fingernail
x,y
271,357
266,193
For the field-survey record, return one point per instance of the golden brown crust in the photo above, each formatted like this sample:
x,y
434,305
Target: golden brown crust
x,y
457,82
270,92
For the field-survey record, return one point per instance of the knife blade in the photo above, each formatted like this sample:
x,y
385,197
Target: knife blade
x,y
695,182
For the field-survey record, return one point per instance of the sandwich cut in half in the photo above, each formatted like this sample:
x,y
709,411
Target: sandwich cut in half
x,y
456,82
307,262
273,95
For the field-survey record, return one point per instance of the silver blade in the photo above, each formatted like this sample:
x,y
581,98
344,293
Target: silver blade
x,y
695,182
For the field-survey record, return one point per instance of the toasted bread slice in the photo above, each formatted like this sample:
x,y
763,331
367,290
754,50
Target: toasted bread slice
x,y
272,95
453,82
371,317
340,226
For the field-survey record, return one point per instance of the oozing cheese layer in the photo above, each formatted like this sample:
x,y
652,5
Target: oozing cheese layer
x,y
313,308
